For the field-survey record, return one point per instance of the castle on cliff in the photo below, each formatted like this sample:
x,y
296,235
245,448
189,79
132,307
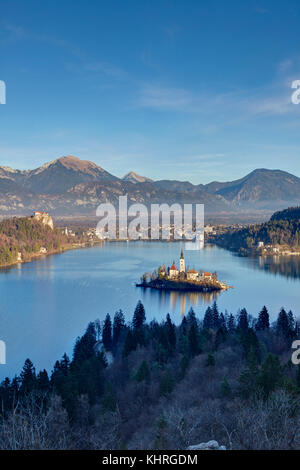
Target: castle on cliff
x,y
43,217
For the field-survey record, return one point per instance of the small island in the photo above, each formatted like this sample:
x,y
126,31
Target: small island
x,y
181,279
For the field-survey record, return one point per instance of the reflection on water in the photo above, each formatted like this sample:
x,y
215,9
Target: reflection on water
x,y
288,266
46,304
171,301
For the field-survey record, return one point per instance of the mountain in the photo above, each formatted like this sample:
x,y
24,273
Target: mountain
x,y
262,187
70,186
62,174
133,177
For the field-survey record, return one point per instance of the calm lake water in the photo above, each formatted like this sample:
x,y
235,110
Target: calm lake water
x,y
46,304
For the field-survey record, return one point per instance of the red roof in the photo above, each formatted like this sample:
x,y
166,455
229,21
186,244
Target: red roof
x,y
193,271
206,274
173,268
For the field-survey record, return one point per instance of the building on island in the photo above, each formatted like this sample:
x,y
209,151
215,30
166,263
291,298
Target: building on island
x,y
173,271
182,274
192,275
181,263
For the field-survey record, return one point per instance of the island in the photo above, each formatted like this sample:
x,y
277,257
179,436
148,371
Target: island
x,y
182,279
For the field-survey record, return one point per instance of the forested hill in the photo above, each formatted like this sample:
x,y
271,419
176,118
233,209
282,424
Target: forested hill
x,y
292,213
27,236
281,231
224,377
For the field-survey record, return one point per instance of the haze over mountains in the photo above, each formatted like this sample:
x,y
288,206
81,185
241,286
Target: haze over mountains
x,y
69,186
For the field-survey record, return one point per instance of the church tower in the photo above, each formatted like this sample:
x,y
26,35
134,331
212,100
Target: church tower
x,y
181,263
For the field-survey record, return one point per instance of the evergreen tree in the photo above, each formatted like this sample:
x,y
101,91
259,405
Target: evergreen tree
x,y
291,321
243,323
263,322
107,333
231,323
215,316
28,377
170,333
118,326
282,325
84,346
139,316
191,317
208,319
43,382
270,376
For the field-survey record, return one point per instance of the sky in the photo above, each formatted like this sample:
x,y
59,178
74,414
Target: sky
x,y
179,89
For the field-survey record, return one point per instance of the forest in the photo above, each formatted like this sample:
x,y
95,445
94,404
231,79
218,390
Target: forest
x,y
157,385
26,236
283,229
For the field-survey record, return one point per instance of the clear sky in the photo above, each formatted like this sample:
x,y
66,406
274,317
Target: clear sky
x,y
185,89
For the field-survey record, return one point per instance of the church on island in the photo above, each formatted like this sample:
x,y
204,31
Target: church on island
x,y
181,274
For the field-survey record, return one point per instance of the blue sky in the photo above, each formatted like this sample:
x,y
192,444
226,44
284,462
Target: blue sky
x,y
190,90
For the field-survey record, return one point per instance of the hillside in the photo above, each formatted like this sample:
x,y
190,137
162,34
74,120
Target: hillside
x,y
222,377
280,232
27,236
292,213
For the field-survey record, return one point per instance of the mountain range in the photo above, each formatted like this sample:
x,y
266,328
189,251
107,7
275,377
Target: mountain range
x,y
69,186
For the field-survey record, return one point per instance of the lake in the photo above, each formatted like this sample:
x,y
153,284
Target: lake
x,y
46,304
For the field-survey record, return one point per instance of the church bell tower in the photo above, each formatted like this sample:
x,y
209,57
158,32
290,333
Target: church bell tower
x,y
181,263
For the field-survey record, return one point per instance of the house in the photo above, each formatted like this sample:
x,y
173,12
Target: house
x,y
260,244
207,276
192,275
173,271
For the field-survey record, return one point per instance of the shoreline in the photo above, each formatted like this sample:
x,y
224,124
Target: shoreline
x,y
183,286
37,256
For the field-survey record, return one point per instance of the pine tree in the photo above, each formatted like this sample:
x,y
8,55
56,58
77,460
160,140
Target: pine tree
x,y
106,333
191,317
263,322
243,323
118,326
231,323
139,316
43,382
208,319
170,333
215,316
282,325
28,377
270,376
291,321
